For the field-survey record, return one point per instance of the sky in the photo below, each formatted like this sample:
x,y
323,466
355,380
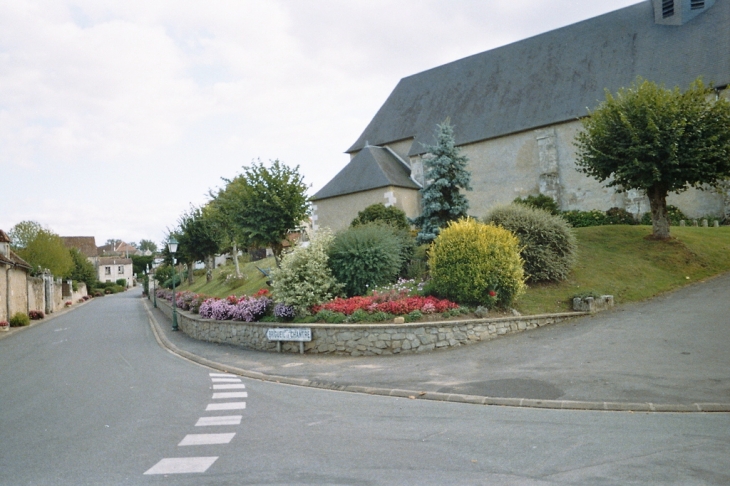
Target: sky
x,y
116,117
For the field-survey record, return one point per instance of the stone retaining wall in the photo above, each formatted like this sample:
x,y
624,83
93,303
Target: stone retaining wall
x,y
361,339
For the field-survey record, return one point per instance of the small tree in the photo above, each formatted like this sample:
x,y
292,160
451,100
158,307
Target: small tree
x,y
23,233
198,238
47,251
657,140
83,270
145,245
269,202
390,215
445,175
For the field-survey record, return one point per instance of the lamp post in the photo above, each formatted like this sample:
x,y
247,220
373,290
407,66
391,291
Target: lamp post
x,y
172,246
147,279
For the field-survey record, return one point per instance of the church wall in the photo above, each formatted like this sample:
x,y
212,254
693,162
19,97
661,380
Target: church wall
x,y
338,212
542,161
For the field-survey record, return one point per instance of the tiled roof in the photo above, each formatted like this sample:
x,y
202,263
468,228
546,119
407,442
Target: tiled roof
x,y
85,244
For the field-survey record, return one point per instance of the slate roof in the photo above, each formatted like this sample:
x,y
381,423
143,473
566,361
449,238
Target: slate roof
x,y
371,168
114,261
553,77
85,244
12,258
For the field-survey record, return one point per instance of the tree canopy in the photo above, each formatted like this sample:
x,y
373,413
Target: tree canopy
x,y
446,175
145,245
42,249
659,141
197,237
23,233
264,204
82,270
389,215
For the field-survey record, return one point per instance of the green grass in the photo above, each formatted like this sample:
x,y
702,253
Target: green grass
x,y
616,260
254,280
621,261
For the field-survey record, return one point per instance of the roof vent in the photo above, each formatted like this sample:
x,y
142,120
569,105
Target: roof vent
x,y
679,12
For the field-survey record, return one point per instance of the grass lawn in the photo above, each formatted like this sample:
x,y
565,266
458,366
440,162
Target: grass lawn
x,y
616,260
620,261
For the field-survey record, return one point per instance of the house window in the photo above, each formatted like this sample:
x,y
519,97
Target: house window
x,y
107,270
667,8
120,270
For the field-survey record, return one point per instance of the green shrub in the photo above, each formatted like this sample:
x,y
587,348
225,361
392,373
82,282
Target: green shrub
x,y
380,316
379,213
19,319
415,315
476,264
547,243
359,315
305,279
365,256
541,201
619,216
122,282
330,317
582,219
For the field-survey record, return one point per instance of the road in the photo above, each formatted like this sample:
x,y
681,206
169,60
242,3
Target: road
x,y
89,397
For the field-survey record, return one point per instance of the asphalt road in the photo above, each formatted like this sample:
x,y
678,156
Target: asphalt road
x,y
89,397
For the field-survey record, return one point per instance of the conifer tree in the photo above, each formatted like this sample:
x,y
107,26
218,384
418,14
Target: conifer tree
x,y
445,176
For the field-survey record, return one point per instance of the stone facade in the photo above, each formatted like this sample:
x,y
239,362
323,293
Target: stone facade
x,y
337,213
362,339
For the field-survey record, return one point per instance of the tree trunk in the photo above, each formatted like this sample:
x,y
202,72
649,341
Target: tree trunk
x,y
209,262
235,259
659,217
191,277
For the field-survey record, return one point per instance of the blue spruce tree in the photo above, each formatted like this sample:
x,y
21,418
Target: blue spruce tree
x,y
445,175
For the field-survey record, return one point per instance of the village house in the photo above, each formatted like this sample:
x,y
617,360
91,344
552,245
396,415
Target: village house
x,y
14,272
85,244
112,269
516,111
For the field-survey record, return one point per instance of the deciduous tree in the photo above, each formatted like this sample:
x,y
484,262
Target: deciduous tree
x,y
659,141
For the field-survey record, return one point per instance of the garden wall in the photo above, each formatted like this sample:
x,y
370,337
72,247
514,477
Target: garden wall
x,y
361,339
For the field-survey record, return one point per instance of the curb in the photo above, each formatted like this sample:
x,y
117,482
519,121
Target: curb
x,y
48,317
443,397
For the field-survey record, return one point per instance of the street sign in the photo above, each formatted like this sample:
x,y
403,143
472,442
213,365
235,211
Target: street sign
x,y
300,334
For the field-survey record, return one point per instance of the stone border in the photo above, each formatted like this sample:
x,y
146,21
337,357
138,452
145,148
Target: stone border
x,y
444,397
362,339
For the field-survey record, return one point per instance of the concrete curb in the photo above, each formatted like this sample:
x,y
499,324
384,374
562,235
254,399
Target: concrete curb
x,y
444,397
48,317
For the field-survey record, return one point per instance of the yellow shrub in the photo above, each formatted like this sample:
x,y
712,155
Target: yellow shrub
x,y
477,264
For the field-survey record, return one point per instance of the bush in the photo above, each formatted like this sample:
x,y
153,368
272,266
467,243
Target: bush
x,y
582,219
305,279
619,216
122,282
541,201
19,319
365,256
330,317
476,264
379,213
548,245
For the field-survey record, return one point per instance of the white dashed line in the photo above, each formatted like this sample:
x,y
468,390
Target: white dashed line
x,y
229,387
226,406
220,420
222,375
225,380
206,439
180,465
219,396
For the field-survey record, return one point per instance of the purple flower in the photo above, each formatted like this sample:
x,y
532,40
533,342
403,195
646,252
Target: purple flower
x,y
284,311
250,308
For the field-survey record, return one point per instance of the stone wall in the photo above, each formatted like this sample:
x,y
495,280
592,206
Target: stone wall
x,y
36,294
361,339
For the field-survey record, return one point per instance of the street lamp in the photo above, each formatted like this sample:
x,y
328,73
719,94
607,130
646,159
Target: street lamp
x,y
147,280
172,246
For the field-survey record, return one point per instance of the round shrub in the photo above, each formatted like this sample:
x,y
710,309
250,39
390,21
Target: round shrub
x,y
476,264
19,319
541,201
548,245
390,215
305,279
365,256
619,216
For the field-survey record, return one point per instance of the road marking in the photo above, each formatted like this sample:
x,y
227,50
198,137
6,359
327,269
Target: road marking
x,y
180,465
220,420
206,439
226,406
222,375
225,380
228,387
218,396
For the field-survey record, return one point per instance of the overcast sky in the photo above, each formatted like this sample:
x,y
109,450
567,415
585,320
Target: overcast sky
x,y
116,116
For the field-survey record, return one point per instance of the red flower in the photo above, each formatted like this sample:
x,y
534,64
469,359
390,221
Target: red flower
x,y
492,293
